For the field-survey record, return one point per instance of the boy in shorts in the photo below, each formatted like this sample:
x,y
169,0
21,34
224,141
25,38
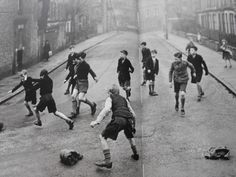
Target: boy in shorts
x,y
45,84
124,69
123,118
30,91
82,69
152,69
178,72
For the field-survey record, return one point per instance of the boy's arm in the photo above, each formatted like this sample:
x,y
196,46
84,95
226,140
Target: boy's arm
x,y
16,87
157,67
105,111
131,109
131,67
93,74
205,67
191,67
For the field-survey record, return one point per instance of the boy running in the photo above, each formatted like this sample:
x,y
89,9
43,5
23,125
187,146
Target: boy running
x,y
30,91
123,118
152,68
70,65
146,54
178,73
82,69
45,84
199,64
226,53
124,69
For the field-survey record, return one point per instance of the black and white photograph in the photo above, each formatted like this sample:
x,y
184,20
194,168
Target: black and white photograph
x,y
117,88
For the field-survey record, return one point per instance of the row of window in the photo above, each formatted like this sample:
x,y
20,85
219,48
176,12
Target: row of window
x,y
221,21
217,3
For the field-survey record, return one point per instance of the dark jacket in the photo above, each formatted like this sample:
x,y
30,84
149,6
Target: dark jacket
x,y
153,67
146,55
124,68
82,70
70,62
179,72
45,85
198,62
27,84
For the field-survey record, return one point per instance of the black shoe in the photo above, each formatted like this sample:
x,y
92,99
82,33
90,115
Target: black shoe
x,y
30,114
104,164
135,156
38,123
93,108
202,93
182,112
199,98
176,107
71,124
143,84
153,94
66,92
72,115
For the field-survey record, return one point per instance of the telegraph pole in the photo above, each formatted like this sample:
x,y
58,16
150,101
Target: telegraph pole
x,y
166,19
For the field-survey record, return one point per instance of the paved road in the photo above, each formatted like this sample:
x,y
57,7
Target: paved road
x,y
170,146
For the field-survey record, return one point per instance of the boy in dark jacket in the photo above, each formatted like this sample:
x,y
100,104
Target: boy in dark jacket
x,y
30,91
178,73
123,118
70,66
199,64
152,69
124,69
82,69
45,84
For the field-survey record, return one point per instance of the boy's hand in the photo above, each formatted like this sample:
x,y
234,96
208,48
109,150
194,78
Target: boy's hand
x,y
170,84
65,81
194,74
149,71
95,78
93,124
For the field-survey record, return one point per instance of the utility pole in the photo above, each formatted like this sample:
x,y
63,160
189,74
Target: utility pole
x,y
166,19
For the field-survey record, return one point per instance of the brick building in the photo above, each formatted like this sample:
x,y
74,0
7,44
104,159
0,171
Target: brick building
x,y
18,30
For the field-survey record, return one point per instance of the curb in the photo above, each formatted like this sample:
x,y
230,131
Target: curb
x,y
211,74
55,68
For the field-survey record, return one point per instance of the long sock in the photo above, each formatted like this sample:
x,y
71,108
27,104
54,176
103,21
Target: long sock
x,y
134,149
74,106
182,102
107,155
88,102
78,107
28,107
150,89
177,99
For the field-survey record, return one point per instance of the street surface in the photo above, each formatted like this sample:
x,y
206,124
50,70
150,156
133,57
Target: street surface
x,y
169,145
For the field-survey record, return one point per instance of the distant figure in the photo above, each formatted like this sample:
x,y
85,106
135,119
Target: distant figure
x,y
199,37
189,45
46,50
19,57
226,53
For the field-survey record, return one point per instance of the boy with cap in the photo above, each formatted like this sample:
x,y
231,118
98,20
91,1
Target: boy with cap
x,y
152,69
45,84
199,64
70,65
124,69
30,91
178,73
226,53
123,118
82,69
146,54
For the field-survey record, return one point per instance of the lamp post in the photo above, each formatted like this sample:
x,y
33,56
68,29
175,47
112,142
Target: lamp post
x,y
166,19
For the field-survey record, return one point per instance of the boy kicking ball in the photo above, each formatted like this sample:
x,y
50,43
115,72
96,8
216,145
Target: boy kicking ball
x,y
123,118
46,100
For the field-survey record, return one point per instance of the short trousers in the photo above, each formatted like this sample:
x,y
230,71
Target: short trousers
x,y
180,86
150,76
116,125
30,96
82,86
47,101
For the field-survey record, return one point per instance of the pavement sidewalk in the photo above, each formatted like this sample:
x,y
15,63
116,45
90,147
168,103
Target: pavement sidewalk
x,y
213,59
54,62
